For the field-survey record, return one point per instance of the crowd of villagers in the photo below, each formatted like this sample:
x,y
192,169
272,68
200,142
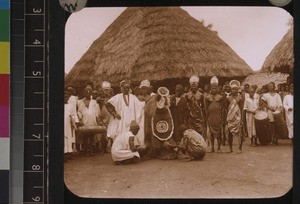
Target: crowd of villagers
x,y
138,124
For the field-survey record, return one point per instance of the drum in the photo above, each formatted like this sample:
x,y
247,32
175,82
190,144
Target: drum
x,y
91,129
281,128
262,127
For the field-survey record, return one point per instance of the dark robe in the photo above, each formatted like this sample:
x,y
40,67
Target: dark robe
x,y
214,113
196,118
179,113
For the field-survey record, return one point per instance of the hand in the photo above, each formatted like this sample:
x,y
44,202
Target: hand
x,y
290,109
272,109
118,116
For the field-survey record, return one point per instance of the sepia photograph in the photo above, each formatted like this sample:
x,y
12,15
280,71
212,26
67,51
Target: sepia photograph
x,y
179,102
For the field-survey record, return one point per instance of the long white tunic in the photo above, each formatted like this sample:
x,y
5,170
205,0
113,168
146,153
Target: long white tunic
x,y
69,136
73,100
120,149
127,113
274,102
250,105
288,102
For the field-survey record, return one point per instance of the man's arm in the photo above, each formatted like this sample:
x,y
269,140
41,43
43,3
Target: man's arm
x,y
111,109
131,144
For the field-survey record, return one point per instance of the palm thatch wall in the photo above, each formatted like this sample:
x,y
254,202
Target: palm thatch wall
x,y
156,43
262,78
281,58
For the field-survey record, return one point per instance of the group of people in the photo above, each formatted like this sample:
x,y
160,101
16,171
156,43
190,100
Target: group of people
x,y
139,124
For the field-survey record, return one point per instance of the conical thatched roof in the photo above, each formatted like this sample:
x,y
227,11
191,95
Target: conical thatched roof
x,y
281,58
262,78
156,43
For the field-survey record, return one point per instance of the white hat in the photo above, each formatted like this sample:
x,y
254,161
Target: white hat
x,y
214,80
106,85
234,84
194,79
145,83
125,81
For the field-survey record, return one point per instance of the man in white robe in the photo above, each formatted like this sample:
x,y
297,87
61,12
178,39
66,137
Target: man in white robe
x,y
288,104
123,150
124,107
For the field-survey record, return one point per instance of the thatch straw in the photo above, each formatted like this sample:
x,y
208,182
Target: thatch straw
x,y
262,78
281,58
156,43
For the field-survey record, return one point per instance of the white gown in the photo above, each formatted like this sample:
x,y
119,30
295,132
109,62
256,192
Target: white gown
x,y
69,136
120,149
127,113
288,102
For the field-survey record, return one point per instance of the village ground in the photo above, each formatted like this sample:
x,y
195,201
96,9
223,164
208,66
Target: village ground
x,y
259,172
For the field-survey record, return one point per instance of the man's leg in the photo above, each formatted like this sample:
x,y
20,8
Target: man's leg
x,y
272,132
230,141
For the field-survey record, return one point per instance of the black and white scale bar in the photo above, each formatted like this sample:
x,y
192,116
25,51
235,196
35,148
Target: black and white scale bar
x,y
35,146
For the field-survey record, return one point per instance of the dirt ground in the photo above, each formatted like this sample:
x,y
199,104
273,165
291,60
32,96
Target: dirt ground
x,y
259,172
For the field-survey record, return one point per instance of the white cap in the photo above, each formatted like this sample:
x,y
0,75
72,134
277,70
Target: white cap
x,y
194,79
234,84
145,83
214,80
106,85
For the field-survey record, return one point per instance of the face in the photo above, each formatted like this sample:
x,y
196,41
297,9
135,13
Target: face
x,y
144,90
251,92
206,88
214,89
246,88
292,90
70,90
234,90
87,93
126,88
135,130
227,88
194,86
271,87
95,94
66,97
179,90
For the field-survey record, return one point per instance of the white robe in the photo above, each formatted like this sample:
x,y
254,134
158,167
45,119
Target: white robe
x,y
74,101
127,113
288,102
250,105
69,134
89,114
274,102
120,149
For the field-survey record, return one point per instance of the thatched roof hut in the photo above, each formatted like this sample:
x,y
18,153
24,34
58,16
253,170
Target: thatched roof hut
x,y
281,58
156,43
263,78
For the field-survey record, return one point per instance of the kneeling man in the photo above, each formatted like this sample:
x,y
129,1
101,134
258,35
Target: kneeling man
x,y
123,150
192,145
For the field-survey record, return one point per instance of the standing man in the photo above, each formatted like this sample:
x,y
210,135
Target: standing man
x,y
124,107
234,116
144,96
179,110
273,102
214,110
250,106
288,104
88,112
195,102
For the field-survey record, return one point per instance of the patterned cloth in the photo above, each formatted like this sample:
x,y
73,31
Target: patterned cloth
x,y
234,118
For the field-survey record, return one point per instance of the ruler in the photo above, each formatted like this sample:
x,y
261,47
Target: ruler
x,y
35,109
